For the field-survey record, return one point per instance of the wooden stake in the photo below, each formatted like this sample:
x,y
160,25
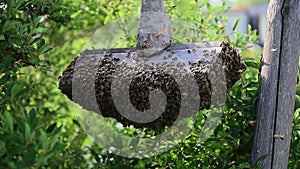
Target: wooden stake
x,y
277,85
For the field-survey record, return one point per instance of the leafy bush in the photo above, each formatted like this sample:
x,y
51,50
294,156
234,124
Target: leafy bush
x,y
38,126
30,131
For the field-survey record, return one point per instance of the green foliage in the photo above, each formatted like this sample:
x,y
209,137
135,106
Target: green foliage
x,y
31,132
294,161
38,126
28,144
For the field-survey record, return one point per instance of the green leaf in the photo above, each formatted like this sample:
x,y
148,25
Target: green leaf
x,y
2,148
297,102
46,50
57,130
34,40
11,164
20,3
14,90
236,24
5,79
43,139
51,128
22,92
9,26
76,122
59,147
42,46
10,5
17,87
25,28
28,159
34,60
36,21
16,149
53,140
298,89
39,30
28,135
8,120
32,117
43,159
245,165
2,37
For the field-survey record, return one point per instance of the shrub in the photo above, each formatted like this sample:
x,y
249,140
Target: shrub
x,y
38,126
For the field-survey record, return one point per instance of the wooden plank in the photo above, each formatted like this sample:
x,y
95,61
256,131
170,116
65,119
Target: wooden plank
x,y
277,85
265,118
290,52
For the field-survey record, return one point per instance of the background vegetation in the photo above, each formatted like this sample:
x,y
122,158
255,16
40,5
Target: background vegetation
x,y
38,124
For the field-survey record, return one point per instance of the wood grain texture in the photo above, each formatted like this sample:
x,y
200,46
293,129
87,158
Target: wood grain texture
x,y
277,85
290,52
264,128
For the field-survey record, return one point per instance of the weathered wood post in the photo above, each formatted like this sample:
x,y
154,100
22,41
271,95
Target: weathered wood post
x,y
277,85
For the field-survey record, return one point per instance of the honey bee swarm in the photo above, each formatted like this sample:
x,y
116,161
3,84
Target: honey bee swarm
x,y
150,77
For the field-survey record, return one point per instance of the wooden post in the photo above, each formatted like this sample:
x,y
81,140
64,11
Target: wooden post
x,y
277,85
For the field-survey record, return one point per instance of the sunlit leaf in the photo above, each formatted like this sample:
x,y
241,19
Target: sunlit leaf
x,y
2,37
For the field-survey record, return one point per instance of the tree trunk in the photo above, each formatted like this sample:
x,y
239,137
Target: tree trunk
x,y
277,85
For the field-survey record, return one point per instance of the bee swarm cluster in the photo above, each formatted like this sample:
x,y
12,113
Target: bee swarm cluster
x,y
150,76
